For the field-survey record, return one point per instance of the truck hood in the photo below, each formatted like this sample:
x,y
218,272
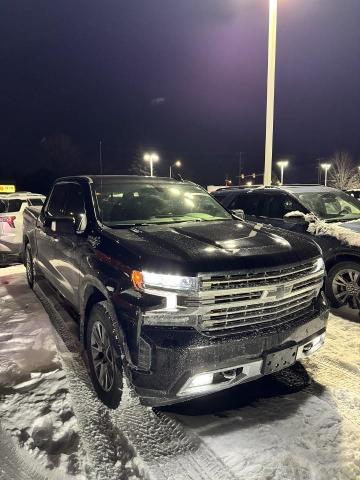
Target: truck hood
x,y
193,247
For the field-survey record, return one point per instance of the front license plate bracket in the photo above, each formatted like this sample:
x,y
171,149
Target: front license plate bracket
x,y
276,361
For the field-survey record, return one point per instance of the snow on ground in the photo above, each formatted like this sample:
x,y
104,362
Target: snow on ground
x,y
35,406
298,425
263,431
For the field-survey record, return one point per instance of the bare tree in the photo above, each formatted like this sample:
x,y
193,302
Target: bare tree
x,y
343,174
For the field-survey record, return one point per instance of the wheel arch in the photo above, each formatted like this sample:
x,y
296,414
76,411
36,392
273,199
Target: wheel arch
x,y
341,257
91,293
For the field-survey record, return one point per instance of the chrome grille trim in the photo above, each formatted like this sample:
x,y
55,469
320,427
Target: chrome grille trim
x,y
230,280
264,298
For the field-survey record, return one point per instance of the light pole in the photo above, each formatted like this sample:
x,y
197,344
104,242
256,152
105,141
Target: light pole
x,y
273,4
326,167
176,164
151,158
282,164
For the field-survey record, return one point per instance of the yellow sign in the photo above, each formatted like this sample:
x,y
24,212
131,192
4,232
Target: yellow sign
x,y
7,188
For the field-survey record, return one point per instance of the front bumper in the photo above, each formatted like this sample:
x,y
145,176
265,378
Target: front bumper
x,y
176,356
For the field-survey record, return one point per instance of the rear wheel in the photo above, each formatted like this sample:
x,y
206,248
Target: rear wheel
x,y
105,371
29,265
343,285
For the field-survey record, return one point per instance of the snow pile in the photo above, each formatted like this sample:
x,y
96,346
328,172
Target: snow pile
x,y
26,336
35,407
38,415
336,230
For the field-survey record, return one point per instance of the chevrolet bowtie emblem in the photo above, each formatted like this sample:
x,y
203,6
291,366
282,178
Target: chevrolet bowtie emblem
x,y
282,291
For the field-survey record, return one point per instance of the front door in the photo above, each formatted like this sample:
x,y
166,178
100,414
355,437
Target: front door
x,y
57,253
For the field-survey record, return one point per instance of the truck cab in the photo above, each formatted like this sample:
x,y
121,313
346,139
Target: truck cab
x,y
172,290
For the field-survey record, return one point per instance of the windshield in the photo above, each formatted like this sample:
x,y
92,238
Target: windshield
x,y
137,203
334,206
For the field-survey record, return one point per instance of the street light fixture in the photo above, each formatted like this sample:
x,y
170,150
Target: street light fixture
x,y
151,158
273,5
326,167
177,164
282,164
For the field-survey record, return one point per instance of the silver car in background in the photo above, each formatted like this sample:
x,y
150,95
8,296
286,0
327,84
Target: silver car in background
x,y
12,208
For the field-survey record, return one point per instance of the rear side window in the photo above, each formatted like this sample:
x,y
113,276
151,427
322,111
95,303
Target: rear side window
x,y
36,202
56,204
3,206
14,205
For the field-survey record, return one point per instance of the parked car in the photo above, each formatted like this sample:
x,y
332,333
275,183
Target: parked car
x,y
12,207
342,258
171,289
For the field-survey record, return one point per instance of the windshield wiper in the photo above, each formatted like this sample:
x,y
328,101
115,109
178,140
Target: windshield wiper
x,y
127,225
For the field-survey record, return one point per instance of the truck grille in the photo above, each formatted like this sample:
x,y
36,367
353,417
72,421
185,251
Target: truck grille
x,y
237,302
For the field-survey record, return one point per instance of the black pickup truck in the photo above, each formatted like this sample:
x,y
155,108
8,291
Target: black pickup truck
x,y
171,289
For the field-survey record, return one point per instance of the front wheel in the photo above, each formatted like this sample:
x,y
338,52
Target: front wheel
x,y
29,265
343,285
106,375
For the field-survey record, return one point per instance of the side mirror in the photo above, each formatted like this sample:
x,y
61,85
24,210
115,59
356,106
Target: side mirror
x,y
63,226
239,213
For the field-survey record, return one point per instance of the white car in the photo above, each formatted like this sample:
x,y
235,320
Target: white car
x,y
12,207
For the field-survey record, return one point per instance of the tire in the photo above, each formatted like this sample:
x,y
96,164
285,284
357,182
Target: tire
x,y
29,265
104,361
343,285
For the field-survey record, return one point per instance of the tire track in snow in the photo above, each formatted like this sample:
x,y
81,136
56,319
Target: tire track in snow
x,y
17,464
164,449
101,441
343,383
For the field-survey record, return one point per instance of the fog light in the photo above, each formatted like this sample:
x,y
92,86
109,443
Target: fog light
x,y
201,380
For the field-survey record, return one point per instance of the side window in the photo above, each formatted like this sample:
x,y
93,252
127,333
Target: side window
x,y
247,202
15,205
3,206
279,205
75,205
56,203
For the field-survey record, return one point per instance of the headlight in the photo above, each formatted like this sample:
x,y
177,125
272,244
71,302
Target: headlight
x,y
150,280
319,265
170,282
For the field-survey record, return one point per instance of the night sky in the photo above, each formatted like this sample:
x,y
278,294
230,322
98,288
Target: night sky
x,y
186,78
